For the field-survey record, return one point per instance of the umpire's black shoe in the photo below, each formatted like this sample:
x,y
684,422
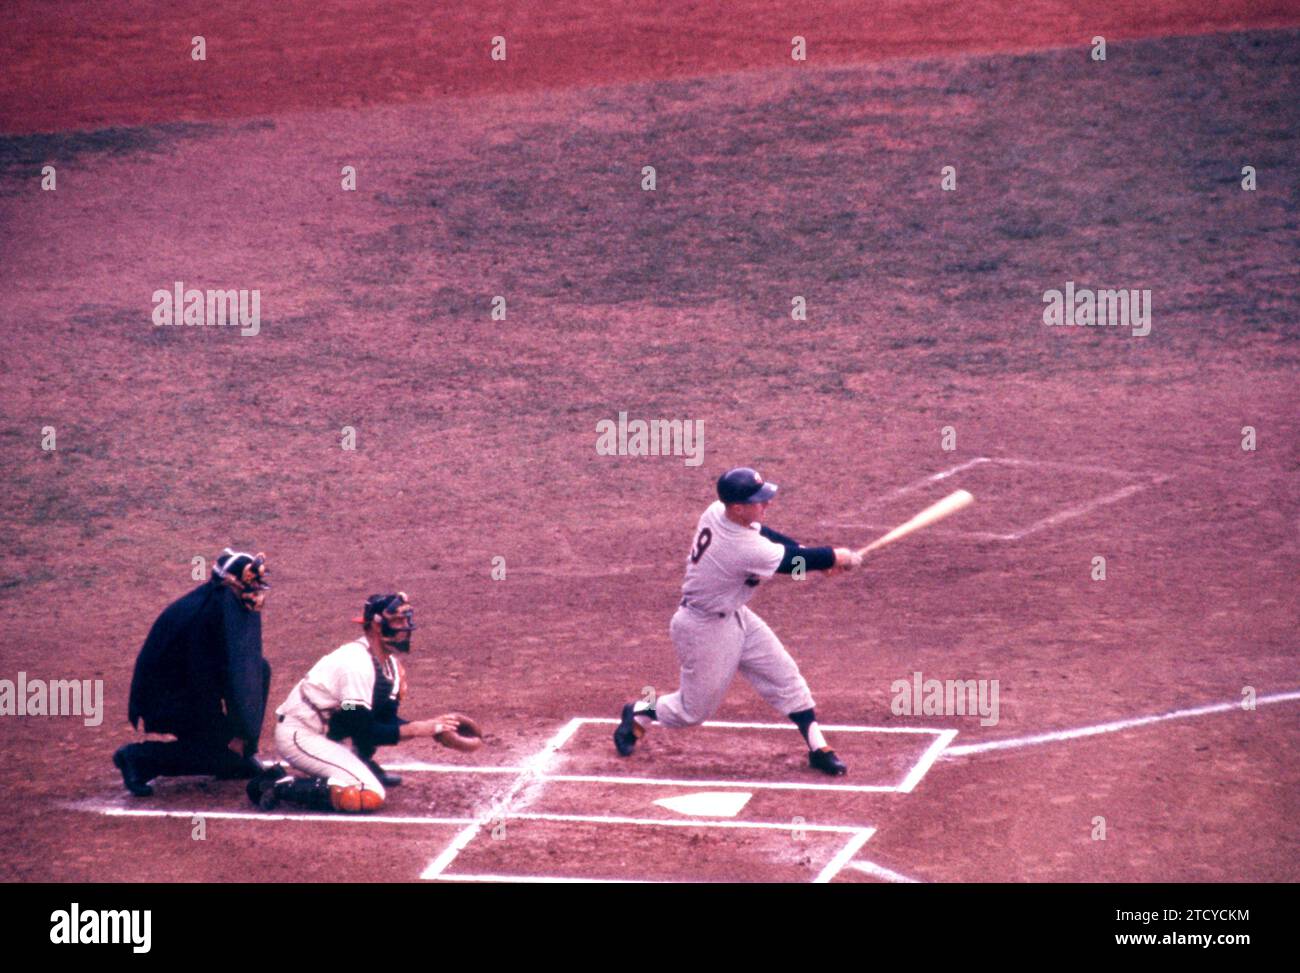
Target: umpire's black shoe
x,y
132,776
827,762
384,777
625,735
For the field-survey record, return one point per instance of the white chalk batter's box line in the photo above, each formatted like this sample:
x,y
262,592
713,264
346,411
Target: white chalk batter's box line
x,y
323,817
1069,513
942,737
857,835
533,771
471,826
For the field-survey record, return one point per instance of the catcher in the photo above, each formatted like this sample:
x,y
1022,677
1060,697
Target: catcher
x,y
352,694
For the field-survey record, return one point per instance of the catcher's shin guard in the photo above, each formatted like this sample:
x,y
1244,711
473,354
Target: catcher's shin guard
x,y
355,798
312,793
261,789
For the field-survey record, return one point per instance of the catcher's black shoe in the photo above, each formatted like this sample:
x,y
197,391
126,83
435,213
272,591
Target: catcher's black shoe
x,y
625,736
132,776
827,762
383,776
261,789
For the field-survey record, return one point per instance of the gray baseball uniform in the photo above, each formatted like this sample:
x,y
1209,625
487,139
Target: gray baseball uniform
x,y
345,678
716,635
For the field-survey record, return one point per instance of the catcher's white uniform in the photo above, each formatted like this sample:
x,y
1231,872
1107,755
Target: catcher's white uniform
x,y
344,679
716,635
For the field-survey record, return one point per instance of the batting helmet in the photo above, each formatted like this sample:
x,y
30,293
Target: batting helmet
x,y
743,485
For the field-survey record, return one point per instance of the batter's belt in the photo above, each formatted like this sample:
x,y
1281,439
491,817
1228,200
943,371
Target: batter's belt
x,y
704,611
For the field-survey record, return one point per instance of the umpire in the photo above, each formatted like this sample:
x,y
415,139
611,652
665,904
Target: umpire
x,y
201,677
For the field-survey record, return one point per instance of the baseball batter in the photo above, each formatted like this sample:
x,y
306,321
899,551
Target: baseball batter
x,y
350,694
716,635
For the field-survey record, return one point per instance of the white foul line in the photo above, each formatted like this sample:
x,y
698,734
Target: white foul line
x,y
851,848
932,753
531,771
1087,731
880,871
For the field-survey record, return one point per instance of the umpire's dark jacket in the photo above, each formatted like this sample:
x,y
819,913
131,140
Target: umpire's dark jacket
x,y
201,672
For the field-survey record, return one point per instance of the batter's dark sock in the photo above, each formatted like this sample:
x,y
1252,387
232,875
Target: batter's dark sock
x,y
645,715
806,720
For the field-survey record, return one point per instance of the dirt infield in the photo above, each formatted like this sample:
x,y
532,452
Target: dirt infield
x,y
81,64
476,437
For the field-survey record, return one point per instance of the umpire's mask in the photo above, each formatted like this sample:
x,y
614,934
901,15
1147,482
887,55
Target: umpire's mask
x,y
245,575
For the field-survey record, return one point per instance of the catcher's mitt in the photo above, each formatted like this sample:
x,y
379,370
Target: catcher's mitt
x,y
466,737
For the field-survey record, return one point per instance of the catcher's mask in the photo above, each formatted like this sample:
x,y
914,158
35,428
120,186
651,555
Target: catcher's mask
x,y
245,575
396,619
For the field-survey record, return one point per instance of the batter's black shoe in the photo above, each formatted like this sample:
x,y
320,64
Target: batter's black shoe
x,y
132,776
261,789
625,736
383,776
827,762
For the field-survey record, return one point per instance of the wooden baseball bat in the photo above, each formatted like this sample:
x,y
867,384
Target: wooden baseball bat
x,y
936,511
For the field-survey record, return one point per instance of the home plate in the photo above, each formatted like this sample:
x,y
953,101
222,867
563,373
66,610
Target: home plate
x,y
707,804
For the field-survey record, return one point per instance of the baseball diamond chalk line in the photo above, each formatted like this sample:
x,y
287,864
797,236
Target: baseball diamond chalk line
x,y
906,786
319,818
725,725
426,768
122,812
1087,731
836,864
743,784
532,768
880,871
1068,513
850,829
546,879
533,771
